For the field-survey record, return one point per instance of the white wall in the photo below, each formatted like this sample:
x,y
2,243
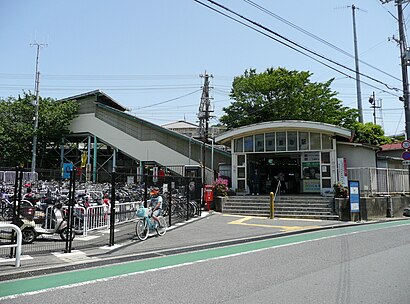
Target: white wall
x,y
357,156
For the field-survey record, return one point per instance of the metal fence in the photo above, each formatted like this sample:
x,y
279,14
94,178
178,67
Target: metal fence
x,y
9,177
93,215
380,181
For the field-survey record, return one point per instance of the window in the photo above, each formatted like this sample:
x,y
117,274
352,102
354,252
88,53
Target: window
x,y
325,170
325,157
259,143
315,141
280,141
241,185
327,142
303,141
238,146
270,141
292,141
248,140
241,160
241,172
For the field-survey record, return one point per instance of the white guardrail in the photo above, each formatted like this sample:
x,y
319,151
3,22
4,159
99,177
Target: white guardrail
x,y
98,216
18,243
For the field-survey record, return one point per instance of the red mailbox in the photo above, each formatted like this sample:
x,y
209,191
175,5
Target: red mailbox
x,y
208,196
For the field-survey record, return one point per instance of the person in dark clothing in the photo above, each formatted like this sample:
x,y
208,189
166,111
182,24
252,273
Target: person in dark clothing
x,y
255,182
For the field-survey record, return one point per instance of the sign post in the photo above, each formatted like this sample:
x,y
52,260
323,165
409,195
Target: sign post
x,y
354,197
405,144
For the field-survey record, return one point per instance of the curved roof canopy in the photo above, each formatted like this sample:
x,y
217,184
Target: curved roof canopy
x,y
284,125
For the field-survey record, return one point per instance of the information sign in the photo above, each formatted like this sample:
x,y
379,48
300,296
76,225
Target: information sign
x,y
67,168
354,194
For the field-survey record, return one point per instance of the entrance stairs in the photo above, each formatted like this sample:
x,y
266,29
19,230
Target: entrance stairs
x,y
289,206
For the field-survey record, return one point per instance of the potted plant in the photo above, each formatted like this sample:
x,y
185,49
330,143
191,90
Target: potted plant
x,y
340,190
220,192
342,206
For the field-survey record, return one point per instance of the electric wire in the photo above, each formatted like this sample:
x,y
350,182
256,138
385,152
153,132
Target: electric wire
x,y
314,36
294,48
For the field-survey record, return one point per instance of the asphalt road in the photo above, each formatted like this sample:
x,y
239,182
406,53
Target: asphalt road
x,y
362,264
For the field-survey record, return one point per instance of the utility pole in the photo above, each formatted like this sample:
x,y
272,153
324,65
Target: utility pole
x,y
356,59
204,115
36,105
404,59
404,64
374,105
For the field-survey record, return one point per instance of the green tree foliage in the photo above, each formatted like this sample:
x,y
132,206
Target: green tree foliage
x,y
370,133
17,126
279,94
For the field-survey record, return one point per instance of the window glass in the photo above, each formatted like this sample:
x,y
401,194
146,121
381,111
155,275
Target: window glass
x,y
248,143
325,170
325,157
326,183
280,141
259,143
314,141
239,145
241,185
327,142
292,141
303,141
241,160
270,141
241,172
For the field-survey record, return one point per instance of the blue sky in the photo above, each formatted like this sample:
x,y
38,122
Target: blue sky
x,y
151,51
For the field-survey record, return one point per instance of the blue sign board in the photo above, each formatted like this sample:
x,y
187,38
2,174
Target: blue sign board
x,y
354,194
67,168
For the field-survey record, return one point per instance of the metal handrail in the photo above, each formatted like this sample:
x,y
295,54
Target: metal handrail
x,y
277,188
17,245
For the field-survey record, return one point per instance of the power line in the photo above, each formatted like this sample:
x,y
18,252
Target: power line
x,y
293,47
169,100
314,36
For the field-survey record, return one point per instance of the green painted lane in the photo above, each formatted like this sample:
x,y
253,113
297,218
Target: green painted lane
x,y
16,287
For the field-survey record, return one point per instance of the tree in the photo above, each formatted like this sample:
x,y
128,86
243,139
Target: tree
x,y
17,126
279,94
370,133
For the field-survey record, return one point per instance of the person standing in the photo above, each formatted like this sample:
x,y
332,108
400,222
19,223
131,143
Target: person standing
x,y
255,182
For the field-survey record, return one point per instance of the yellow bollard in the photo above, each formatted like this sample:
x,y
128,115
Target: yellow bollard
x,y
272,205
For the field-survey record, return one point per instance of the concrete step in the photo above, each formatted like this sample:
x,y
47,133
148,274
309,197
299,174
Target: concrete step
x,y
285,215
306,204
313,207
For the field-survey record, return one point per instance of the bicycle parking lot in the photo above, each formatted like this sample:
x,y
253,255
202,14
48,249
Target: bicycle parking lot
x,y
88,210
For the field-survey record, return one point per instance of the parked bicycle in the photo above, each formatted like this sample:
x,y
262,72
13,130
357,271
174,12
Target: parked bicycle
x,y
146,224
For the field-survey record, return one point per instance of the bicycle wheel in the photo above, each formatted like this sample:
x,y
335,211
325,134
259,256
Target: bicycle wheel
x,y
162,228
141,228
7,214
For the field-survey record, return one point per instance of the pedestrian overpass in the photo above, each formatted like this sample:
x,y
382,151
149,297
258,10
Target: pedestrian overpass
x,y
103,120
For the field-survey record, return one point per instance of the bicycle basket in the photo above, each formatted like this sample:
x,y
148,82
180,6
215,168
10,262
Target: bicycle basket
x,y
142,212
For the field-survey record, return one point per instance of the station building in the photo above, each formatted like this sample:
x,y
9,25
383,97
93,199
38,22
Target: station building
x,y
306,156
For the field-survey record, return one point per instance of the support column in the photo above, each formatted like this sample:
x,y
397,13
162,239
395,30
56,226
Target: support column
x,y
95,160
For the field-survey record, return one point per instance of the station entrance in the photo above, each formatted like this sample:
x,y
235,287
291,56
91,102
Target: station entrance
x,y
266,170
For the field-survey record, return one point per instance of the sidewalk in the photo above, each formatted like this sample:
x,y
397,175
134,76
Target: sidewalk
x,y
209,231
